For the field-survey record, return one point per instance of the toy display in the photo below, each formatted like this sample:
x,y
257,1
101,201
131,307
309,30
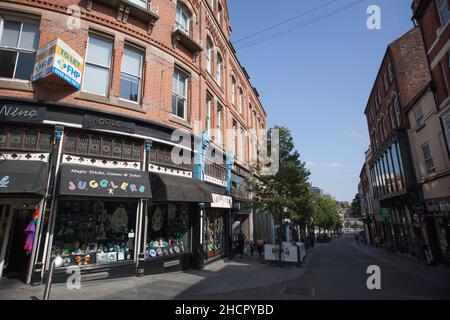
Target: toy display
x,y
213,233
88,232
168,230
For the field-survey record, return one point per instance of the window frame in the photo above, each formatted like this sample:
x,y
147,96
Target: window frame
x,y
103,37
430,167
209,55
141,72
186,77
219,66
186,12
208,110
419,116
219,113
14,18
440,4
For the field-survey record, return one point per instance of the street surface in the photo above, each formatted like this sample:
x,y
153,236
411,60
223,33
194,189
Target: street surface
x,y
335,270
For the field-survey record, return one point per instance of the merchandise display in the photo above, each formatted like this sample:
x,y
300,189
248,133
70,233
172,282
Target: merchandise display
x,y
214,233
94,232
168,230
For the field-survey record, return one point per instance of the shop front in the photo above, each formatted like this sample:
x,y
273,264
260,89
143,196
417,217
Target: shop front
x,y
216,227
172,224
438,217
23,184
241,222
95,224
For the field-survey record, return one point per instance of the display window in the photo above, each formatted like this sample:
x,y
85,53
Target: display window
x,y
94,232
213,231
168,230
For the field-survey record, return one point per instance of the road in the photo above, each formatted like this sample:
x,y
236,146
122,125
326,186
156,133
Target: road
x,y
337,270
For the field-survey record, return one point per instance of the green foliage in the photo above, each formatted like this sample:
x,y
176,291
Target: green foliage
x,y
326,213
356,206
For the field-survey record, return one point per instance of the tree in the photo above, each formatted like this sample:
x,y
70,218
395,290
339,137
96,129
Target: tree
x,y
286,192
326,213
356,206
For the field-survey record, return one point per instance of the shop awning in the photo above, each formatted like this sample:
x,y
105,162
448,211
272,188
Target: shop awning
x,y
23,177
78,180
167,187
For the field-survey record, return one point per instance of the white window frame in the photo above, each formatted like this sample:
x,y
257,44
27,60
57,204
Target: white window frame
x,y
209,100
17,48
132,75
219,124
233,90
180,11
241,99
95,35
441,5
186,77
209,54
420,118
219,66
428,158
219,13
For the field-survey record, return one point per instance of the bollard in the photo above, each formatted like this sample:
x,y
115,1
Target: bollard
x,y
140,266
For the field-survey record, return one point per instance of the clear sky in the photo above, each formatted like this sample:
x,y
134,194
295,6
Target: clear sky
x,y
316,80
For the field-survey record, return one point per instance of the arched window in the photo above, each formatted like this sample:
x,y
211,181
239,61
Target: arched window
x,y
182,18
219,66
241,99
219,13
233,90
209,54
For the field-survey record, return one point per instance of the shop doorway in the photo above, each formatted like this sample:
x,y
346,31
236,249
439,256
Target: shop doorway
x,y
15,258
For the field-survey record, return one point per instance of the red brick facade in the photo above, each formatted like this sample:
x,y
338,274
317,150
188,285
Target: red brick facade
x,y
151,30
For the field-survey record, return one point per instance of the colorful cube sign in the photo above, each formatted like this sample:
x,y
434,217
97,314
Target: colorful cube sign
x,y
61,60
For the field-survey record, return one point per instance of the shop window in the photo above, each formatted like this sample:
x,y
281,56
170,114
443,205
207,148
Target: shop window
x,y
168,230
214,235
70,143
137,152
18,44
45,141
28,140
94,232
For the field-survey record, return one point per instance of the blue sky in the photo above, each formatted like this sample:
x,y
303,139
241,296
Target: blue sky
x,y
316,80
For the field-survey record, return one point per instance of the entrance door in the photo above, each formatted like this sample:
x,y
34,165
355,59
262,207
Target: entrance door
x,y
5,227
16,257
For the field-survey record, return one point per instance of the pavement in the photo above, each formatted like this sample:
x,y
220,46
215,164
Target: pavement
x,y
215,278
335,270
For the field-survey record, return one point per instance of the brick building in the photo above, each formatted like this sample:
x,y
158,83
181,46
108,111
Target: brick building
x,y
429,128
92,93
402,74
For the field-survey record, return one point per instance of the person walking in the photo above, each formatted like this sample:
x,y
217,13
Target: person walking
x,y
260,248
241,243
311,237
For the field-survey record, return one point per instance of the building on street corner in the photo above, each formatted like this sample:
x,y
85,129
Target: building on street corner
x,y
92,112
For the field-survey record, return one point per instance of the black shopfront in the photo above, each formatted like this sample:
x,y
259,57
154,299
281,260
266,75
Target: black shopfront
x,y
106,202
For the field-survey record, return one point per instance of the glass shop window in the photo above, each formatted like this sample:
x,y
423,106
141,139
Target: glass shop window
x,y
168,230
94,232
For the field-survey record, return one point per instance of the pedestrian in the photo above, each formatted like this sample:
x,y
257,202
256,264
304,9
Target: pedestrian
x,y
252,248
260,248
311,237
241,243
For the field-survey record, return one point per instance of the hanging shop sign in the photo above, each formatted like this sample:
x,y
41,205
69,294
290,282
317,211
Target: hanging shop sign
x,y
103,123
61,60
104,182
21,113
221,201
